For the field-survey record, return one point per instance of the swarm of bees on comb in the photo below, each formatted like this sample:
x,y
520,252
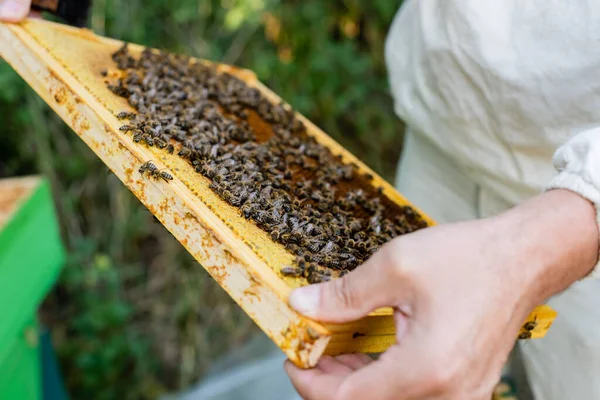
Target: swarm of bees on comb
x,y
259,159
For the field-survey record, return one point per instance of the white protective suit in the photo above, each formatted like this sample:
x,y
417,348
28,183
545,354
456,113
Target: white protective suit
x,y
490,90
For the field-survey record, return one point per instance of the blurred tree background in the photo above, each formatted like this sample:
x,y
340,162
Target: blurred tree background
x,y
134,313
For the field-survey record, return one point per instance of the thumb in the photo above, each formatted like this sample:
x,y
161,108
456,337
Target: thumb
x,y
14,10
374,284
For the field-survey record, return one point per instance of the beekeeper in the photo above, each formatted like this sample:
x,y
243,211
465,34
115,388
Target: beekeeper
x,y
490,91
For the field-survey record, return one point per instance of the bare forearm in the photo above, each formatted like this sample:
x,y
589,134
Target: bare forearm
x,y
559,233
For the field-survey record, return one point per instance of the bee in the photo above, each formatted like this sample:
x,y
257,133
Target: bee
x,y
315,246
298,238
297,202
347,172
125,115
227,195
360,236
297,126
530,325
328,247
331,262
292,271
525,335
317,277
137,135
247,210
170,148
292,248
219,177
185,152
236,201
161,144
261,217
148,139
285,238
165,176
346,255
148,166
275,234
126,128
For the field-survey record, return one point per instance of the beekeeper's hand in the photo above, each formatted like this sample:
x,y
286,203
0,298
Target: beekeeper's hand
x,y
14,10
460,293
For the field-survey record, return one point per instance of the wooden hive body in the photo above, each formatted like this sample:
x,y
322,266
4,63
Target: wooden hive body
x,y
63,65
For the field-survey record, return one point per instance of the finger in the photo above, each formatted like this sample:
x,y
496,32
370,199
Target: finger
x,y
403,372
333,366
355,361
14,10
372,285
313,384
377,380
374,381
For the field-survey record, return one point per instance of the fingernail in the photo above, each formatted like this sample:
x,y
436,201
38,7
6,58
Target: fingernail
x,y
305,300
11,10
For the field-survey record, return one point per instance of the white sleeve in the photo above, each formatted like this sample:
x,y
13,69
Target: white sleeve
x,y
578,164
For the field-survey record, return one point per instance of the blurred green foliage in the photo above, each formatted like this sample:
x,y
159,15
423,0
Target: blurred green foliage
x,y
134,315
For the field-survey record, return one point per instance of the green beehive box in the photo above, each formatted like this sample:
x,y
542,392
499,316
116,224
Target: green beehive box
x,y
31,255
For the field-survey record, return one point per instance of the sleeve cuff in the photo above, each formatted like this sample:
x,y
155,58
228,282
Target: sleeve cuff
x,y
575,183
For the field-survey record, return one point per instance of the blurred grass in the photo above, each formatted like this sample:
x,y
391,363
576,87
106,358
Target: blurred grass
x,y
134,315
